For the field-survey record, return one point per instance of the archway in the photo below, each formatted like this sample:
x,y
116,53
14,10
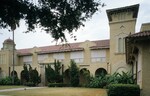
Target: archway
x,y
2,73
84,76
15,74
100,71
66,76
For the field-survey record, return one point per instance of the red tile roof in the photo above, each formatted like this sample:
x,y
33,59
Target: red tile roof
x,y
100,44
64,48
61,48
24,51
141,34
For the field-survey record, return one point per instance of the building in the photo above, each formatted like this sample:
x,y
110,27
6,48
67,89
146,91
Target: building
x,y
124,51
138,56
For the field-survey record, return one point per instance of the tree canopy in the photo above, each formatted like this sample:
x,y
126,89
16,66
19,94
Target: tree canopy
x,y
53,16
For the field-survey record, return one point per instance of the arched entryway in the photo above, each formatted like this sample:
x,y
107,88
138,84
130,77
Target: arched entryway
x,y
84,76
15,74
100,71
2,73
66,76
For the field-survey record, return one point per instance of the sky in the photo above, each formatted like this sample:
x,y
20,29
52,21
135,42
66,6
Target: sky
x,y
96,28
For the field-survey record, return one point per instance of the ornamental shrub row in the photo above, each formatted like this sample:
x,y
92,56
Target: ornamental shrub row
x,y
123,90
58,85
8,81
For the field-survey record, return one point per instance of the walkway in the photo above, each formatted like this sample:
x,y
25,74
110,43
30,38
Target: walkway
x,y
17,89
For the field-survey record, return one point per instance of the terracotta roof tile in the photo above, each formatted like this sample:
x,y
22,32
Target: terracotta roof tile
x,y
24,51
60,48
140,34
64,48
100,44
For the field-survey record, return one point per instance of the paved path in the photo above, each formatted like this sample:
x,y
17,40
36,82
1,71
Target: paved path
x,y
17,89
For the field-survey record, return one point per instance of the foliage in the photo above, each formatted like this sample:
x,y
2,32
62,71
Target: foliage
x,y
57,85
53,75
123,90
116,78
24,74
50,74
86,76
98,81
74,74
57,67
8,81
125,78
30,84
34,76
29,76
54,16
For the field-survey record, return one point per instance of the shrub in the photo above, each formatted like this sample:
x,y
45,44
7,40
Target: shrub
x,y
30,75
123,90
8,81
54,75
74,74
57,85
102,80
97,82
30,84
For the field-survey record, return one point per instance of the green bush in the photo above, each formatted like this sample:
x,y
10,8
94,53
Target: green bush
x,y
97,82
8,81
74,74
57,85
123,90
30,84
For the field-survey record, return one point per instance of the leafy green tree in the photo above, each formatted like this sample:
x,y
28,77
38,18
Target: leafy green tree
x,y
53,75
34,76
54,16
24,74
74,74
30,75
50,74
58,76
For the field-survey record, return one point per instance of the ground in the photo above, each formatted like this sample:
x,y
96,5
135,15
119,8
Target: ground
x,y
64,91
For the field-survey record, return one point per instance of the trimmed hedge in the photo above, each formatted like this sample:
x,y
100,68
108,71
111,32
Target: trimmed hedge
x,y
123,90
30,84
8,81
58,85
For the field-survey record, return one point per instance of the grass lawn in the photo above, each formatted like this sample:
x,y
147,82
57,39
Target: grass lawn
x,y
10,87
65,91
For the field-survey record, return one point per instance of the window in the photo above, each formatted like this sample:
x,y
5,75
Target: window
x,y
59,56
1,59
27,59
77,56
98,55
42,57
121,45
139,74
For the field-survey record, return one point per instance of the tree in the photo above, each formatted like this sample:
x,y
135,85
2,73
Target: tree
x,y
58,76
30,76
34,76
53,75
50,74
24,74
74,74
54,16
